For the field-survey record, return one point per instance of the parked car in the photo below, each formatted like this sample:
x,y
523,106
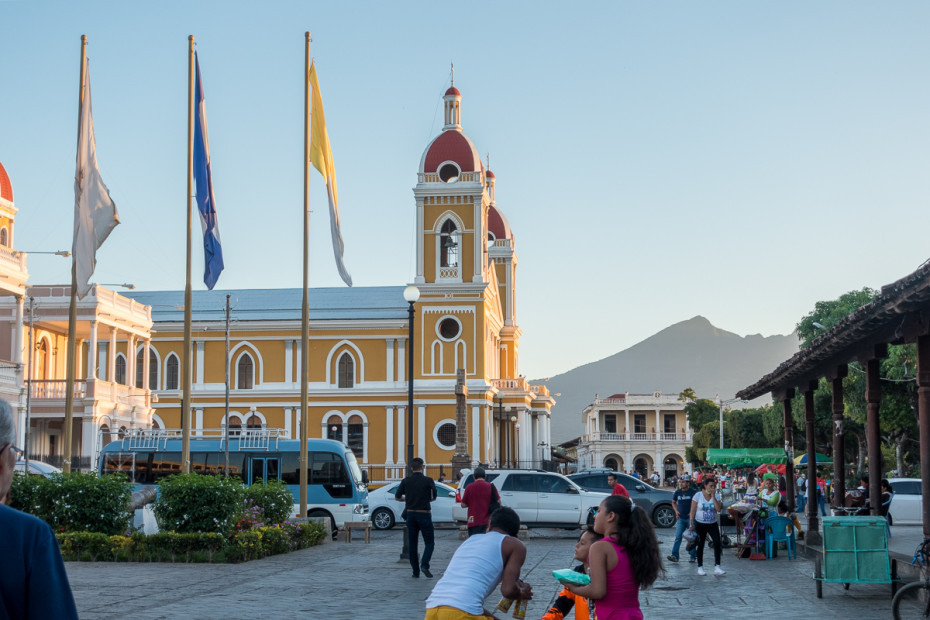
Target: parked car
x,y
907,505
385,510
541,498
36,468
656,502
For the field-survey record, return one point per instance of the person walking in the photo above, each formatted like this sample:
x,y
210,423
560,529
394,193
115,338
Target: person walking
x,y
33,581
681,502
614,483
479,496
478,565
801,495
417,491
705,507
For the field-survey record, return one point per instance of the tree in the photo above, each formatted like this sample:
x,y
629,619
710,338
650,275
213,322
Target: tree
x,y
687,395
700,412
829,313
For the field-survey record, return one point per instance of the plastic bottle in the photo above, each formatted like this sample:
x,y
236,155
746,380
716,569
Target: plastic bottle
x,y
519,611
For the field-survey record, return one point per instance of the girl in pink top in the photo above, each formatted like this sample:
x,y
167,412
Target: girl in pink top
x,y
624,562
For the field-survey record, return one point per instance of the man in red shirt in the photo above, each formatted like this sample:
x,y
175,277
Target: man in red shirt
x,y
618,489
477,498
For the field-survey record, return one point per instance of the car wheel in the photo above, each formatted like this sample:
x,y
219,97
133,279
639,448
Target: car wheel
x,y
382,519
324,514
664,516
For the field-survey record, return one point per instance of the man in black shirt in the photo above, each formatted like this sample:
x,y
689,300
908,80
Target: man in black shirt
x,y
417,491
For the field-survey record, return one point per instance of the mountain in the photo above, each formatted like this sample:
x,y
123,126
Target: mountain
x,y
692,354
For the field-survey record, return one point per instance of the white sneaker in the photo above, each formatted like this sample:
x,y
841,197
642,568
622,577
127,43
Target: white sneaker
x,y
701,571
719,571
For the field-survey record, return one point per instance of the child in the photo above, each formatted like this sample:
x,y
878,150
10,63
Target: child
x,y
784,512
621,564
567,599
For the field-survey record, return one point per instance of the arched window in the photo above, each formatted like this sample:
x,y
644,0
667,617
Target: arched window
x,y
356,431
105,437
4,237
253,422
120,370
244,373
448,245
235,427
334,429
171,372
41,372
346,371
153,368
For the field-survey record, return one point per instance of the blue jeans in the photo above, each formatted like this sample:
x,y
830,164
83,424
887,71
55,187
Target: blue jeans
x,y
801,501
679,530
420,522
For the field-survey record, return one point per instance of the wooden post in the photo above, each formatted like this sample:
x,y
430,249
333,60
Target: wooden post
x,y
839,443
923,408
789,451
813,510
873,399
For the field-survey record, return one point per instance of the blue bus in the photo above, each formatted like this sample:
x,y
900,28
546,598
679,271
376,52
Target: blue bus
x,y
337,487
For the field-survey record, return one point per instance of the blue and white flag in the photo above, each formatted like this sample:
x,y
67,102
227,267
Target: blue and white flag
x,y
206,203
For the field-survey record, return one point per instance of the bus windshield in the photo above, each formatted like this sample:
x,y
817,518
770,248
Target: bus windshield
x,y
353,467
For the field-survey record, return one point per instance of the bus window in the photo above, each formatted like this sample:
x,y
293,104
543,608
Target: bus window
x,y
327,469
263,469
120,464
164,464
290,472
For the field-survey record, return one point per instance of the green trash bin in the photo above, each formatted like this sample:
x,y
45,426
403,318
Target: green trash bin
x,y
855,550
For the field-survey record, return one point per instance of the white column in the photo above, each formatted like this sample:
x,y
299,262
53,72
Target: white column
x,y
475,449
146,363
288,361
421,432
199,361
111,362
18,332
389,360
658,464
420,241
345,432
89,440
627,431
92,352
401,436
288,415
102,365
658,427
198,428
130,360
508,312
401,361
479,236
389,435
523,436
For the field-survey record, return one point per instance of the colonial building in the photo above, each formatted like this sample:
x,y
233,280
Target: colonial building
x,y
465,319
641,432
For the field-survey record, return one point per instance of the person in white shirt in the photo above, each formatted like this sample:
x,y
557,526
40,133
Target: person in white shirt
x,y
705,506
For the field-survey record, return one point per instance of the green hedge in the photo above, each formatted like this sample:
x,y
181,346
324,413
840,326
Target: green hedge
x,y
193,503
75,502
174,547
274,498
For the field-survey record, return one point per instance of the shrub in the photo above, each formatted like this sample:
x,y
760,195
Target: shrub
x,y
245,546
85,502
274,498
193,504
304,535
275,540
85,546
31,494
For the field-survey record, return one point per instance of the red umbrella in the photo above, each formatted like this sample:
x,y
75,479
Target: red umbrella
x,y
779,469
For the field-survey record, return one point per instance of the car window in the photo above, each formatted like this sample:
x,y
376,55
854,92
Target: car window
x,y
628,482
393,489
471,478
552,484
595,481
520,482
906,487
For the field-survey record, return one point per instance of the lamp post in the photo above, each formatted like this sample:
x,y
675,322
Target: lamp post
x,y
411,295
721,404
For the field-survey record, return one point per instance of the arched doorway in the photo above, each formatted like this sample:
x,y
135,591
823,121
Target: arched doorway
x,y
671,466
643,465
613,462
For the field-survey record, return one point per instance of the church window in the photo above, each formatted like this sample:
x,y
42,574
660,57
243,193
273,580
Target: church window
x,y
4,237
153,368
244,373
346,371
445,435
448,246
356,431
449,328
253,422
449,173
171,372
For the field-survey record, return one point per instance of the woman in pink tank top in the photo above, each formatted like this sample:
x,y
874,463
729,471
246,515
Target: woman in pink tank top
x,y
624,562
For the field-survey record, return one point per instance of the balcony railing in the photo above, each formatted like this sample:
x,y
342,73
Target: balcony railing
x,y
11,259
677,437
510,384
54,389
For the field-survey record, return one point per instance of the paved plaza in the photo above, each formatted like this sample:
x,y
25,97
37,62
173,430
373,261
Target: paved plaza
x,y
366,581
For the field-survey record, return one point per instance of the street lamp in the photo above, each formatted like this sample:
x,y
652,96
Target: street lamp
x,y
125,285
411,295
64,253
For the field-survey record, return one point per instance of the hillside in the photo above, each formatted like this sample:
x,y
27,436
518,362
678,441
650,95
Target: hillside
x,y
692,353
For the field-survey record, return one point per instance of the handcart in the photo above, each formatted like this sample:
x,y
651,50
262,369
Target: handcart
x,y
855,550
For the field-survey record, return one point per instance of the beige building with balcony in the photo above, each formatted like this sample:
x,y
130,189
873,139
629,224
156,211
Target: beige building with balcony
x,y
641,432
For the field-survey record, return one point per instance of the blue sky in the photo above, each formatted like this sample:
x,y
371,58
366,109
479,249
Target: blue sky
x,y
656,161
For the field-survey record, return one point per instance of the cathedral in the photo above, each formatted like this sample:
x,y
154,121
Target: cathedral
x,y
464,319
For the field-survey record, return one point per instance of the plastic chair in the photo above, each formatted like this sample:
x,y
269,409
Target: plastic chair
x,y
778,529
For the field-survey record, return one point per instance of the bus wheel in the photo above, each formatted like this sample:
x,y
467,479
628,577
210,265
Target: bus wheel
x,y
324,514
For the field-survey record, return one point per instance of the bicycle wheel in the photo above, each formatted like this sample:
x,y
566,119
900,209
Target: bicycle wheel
x,y
907,604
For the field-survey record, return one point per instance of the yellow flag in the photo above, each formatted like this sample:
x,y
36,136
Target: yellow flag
x,y
321,156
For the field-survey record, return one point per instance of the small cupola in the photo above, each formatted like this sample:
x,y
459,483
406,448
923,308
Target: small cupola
x,y
452,101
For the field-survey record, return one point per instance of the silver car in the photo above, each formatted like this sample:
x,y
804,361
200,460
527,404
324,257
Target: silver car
x,y
656,502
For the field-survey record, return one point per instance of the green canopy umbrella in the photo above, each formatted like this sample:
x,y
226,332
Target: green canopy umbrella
x,y
746,457
822,459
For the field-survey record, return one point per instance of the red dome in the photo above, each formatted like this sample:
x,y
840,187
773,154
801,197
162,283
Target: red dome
x,y
490,175
6,188
451,146
498,224
453,91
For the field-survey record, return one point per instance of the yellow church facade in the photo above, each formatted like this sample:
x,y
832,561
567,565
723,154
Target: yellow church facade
x,y
359,350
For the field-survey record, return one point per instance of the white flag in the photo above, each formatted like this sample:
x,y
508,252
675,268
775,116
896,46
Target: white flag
x,y
94,212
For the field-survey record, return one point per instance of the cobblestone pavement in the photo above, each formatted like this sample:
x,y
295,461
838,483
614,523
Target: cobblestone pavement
x,y
367,581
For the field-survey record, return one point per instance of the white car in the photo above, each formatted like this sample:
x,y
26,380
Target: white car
x,y
385,510
541,499
36,468
907,504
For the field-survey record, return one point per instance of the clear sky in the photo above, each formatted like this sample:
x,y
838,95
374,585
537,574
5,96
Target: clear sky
x,y
737,160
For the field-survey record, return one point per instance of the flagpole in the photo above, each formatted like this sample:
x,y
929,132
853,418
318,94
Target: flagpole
x,y
72,307
188,301
305,305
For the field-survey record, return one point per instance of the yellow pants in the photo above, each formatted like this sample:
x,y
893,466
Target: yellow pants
x,y
451,613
